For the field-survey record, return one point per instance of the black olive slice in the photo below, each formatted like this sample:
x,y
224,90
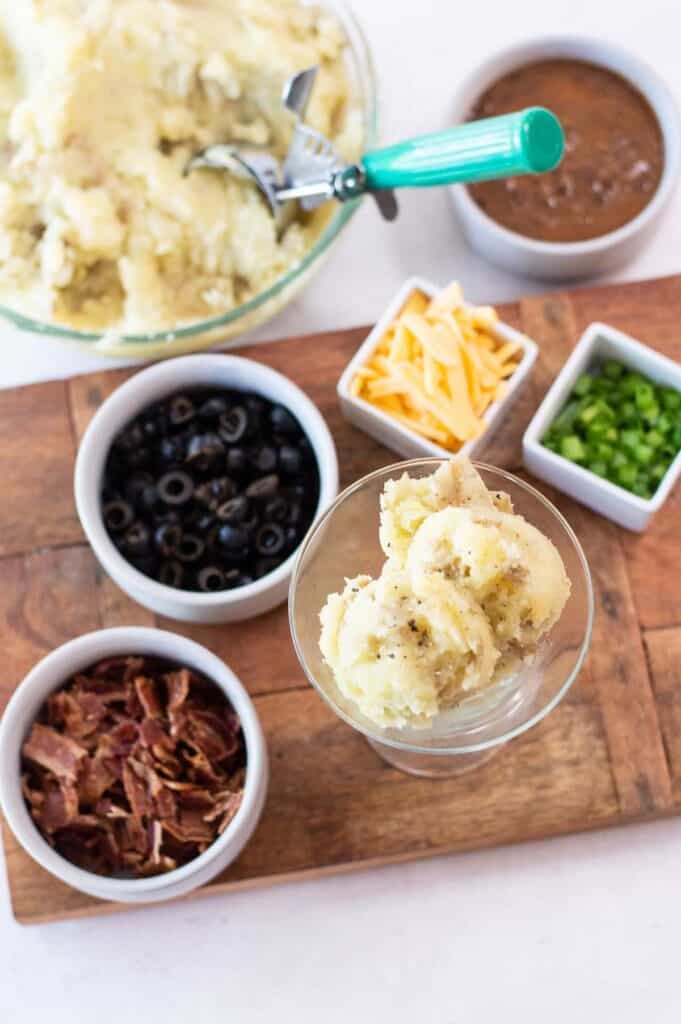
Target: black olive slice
x,y
213,408
117,515
190,548
270,539
167,538
233,425
235,510
211,578
136,540
175,487
204,450
181,410
171,573
263,487
130,438
276,510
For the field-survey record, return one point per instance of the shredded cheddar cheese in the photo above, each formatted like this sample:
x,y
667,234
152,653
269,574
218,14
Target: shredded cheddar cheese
x,y
439,367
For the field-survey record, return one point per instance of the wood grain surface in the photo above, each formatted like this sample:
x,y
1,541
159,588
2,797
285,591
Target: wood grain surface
x,y
608,755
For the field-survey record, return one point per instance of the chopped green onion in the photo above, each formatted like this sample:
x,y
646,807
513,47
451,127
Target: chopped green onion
x,y
644,396
619,425
626,475
612,369
671,399
583,384
604,452
572,448
629,439
643,454
657,471
642,489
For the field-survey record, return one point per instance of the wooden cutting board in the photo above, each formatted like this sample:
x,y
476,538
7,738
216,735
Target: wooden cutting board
x,y
608,755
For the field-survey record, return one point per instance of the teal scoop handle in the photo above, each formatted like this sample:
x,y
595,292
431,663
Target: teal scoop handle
x,y
526,142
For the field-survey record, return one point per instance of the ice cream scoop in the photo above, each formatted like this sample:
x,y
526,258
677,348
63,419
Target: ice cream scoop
x,y
524,142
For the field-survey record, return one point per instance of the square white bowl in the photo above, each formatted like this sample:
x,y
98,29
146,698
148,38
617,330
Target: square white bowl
x,y
400,438
598,342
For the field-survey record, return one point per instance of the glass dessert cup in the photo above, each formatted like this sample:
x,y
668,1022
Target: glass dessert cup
x,y
229,326
344,543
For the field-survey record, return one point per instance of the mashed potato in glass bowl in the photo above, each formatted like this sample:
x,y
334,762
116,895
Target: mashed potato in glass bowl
x,y
454,605
103,239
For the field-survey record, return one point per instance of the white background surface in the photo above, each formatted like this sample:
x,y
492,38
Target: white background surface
x,y
587,928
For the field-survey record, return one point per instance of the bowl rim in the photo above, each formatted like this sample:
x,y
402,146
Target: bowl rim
x,y
358,42
469,748
124,404
582,357
83,651
638,73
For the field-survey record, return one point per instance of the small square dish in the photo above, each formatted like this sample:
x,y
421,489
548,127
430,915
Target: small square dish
x,y
598,344
400,437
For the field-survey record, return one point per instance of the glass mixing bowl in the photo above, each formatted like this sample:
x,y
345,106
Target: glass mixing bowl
x,y
344,543
201,334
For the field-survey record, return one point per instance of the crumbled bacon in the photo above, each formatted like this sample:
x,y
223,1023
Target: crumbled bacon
x,y
134,767
148,697
59,753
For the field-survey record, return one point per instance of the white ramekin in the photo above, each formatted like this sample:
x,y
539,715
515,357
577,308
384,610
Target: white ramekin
x,y
129,399
556,261
599,342
392,434
47,676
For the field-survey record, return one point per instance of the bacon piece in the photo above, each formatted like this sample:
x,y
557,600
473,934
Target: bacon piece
x,y
177,688
196,798
120,668
79,713
33,797
59,808
58,753
95,778
190,827
132,836
151,732
177,691
225,809
120,741
155,839
108,690
201,766
106,808
90,847
209,734
136,792
148,696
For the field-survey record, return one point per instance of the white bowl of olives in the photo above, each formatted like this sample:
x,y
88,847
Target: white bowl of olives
x,y
197,480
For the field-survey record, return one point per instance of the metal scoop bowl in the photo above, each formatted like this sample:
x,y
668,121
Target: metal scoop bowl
x,y
526,142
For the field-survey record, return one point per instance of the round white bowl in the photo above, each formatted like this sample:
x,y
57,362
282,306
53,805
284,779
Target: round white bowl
x,y
123,405
556,261
47,676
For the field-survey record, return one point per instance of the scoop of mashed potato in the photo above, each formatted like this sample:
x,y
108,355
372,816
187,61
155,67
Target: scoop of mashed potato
x,y
102,102
467,591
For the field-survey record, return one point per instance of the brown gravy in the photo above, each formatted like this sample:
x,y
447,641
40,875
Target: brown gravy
x,y
614,152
